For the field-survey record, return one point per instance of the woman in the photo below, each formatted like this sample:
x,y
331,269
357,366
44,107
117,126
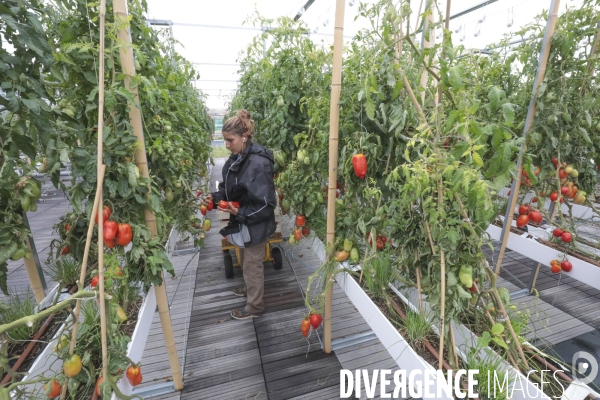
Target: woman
x,y
248,180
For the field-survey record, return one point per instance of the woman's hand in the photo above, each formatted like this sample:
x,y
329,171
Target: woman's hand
x,y
230,209
206,199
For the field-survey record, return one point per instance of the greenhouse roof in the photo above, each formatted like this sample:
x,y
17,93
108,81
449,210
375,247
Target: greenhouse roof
x,y
212,34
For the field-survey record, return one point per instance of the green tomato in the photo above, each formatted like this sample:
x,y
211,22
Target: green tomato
x,y
169,195
301,155
347,244
25,203
33,206
354,256
35,191
17,255
320,197
306,161
280,101
466,275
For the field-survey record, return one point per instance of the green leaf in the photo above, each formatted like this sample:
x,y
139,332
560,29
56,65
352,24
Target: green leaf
x,y
508,111
484,340
495,95
500,342
131,175
477,159
370,108
452,279
497,329
7,251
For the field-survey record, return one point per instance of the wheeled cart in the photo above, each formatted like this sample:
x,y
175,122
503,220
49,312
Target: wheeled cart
x,y
272,254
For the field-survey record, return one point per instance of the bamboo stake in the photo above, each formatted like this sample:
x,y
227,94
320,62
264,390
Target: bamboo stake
x,y
541,71
446,28
494,293
34,275
442,306
418,16
135,117
453,347
82,274
590,60
334,122
100,164
426,44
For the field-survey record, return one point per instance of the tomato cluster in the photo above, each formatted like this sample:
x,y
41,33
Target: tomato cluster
x,y
526,214
114,234
312,320
557,266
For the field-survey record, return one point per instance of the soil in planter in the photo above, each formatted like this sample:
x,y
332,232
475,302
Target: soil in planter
x,y
16,349
569,252
133,309
393,317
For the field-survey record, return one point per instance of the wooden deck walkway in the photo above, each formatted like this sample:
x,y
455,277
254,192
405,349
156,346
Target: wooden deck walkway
x,y
51,206
565,309
267,358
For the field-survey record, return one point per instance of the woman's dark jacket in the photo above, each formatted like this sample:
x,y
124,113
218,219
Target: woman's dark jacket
x,y
249,181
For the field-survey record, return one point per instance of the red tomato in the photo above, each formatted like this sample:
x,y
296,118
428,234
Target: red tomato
x,y
562,174
235,204
110,244
380,244
134,375
203,209
359,163
555,268
300,220
564,190
55,389
534,200
199,193
98,383
110,230
305,230
566,237
297,234
557,232
315,320
64,251
67,228
305,323
106,211
522,221
95,281
524,210
223,204
554,196
566,266
124,234
473,288
536,216
210,205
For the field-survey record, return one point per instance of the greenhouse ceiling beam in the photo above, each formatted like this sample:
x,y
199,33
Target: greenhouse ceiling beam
x,y
305,8
468,11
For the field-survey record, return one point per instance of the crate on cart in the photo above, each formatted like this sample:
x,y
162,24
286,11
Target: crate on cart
x,y
272,255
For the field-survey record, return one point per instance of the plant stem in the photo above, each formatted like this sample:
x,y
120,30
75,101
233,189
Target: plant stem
x,y
32,318
442,306
494,293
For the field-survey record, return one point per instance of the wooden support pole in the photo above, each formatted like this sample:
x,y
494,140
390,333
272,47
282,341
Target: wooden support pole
x,y
539,77
86,253
334,122
33,274
100,164
427,44
135,118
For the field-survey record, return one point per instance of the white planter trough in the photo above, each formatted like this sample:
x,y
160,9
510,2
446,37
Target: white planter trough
x,y
466,340
398,348
579,211
47,360
135,348
582,270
